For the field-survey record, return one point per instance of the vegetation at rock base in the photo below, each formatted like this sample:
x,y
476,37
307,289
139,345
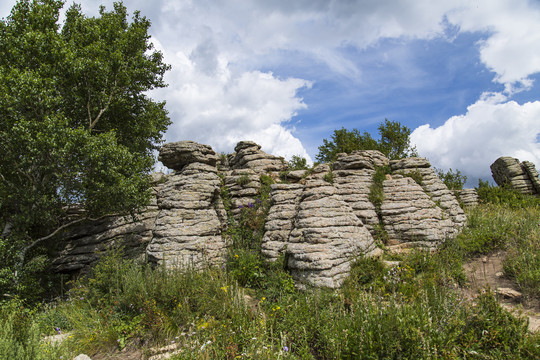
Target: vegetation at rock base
x,y
394,142
250,309
77,129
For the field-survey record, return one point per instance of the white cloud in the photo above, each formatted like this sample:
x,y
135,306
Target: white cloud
x,y
511,51
218,93
221,107
473,141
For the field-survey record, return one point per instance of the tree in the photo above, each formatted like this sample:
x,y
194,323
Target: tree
x,y
454,180
394,142
76,127
298,162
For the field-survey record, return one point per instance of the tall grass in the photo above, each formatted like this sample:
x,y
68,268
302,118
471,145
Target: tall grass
x,y
408,311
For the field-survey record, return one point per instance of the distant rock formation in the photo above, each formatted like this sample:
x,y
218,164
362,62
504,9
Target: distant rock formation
x,y
467,197
320,220
522,177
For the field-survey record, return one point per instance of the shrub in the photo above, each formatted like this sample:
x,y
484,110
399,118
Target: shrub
x,y
452,180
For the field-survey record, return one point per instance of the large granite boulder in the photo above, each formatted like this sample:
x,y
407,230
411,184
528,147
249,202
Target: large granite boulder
x,y
326,236
188,228
522,177
176,155
248,155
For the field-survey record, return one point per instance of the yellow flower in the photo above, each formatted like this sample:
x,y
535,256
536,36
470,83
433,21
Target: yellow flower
x,y
236,255
224,288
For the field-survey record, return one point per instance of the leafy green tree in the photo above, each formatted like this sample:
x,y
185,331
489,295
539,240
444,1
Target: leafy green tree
x,y
76,128
298,162
394,142
454,180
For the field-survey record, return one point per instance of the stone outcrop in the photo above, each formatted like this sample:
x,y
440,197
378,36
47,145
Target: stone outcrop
x,y
326,235
467,197
523,177
319,220
434,187
353,178
188,227
248,155
411,216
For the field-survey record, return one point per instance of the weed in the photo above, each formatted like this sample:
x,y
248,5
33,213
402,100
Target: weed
x,y
329,177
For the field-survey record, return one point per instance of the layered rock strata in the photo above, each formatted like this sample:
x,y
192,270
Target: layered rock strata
x,y
411,216
468,197
326,236
353,180
523,177
434,187
187,231
319,220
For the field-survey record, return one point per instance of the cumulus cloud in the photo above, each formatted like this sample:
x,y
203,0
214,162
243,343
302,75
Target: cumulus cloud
x,y
491,128
220,107
511,50
219,93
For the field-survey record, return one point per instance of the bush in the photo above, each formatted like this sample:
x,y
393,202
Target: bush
x,y
452,180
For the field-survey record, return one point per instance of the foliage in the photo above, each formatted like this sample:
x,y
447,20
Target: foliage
x,y
452,180
76,129
376,193
329,177
298,163
504,195
243,180
394,142
523,258
413,174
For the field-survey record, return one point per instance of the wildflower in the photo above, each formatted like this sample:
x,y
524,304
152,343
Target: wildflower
x,y
286,348
58,330
236,256
240,206
224,288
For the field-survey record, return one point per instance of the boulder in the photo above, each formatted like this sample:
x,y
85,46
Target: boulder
x,y
176,155
188,228
520,176
248,155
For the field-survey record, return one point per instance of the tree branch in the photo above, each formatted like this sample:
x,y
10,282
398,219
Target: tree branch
x,y
93,123
23,252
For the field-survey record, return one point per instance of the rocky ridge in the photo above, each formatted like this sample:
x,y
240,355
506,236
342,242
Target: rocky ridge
x,y
319,220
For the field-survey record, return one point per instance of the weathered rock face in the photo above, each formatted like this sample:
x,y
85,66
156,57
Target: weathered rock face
x,y
411,216
319,220
248,155
435,188
83,243
521,176
468,197
326,236
188,227
353,178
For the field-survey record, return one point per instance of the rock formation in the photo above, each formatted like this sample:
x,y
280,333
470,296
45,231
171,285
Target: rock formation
x,y
319,220
523,177
467,197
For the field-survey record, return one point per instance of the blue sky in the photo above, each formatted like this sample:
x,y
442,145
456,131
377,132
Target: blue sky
x,y
463,75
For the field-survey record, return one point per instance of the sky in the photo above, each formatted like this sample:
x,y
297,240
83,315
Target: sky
x,y
464,76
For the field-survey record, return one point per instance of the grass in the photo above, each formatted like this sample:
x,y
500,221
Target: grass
x,y
250,309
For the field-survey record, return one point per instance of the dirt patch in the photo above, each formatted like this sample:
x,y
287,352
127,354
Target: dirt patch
x,y
487,272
